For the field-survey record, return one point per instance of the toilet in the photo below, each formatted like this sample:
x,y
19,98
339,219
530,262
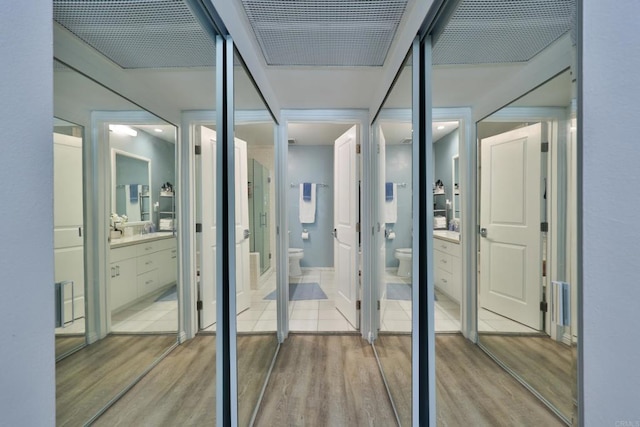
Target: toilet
x,y
295,255
404,256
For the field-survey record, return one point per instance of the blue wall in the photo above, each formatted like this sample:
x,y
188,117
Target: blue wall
x,y
312,163
444,150
162,155
398,169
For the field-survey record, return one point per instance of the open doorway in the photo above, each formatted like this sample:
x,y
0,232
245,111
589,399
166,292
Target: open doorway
x,y
324,174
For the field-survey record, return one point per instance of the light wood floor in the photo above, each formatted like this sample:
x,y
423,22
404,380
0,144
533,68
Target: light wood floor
x,y
66,343
471,389
181,390
542,362
89,378
325,380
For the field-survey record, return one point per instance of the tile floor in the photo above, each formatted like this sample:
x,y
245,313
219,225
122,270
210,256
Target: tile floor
x,y
306,315
395,315
147,315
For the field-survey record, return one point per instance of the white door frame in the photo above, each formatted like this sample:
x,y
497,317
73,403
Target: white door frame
x,y
187,158
347,116
557,118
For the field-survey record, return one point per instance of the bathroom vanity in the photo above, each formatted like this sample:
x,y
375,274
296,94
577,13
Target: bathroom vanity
x,y
140,266
447,263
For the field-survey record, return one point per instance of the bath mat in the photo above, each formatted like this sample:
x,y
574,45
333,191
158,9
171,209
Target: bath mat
x,y
170,294
302,291
399,291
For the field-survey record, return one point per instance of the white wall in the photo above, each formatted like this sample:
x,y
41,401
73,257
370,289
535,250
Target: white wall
x,y
611,232
27,384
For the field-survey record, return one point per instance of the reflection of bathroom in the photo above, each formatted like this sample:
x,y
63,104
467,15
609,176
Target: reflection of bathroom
x,y
395,307
447,253
311,191
143,255
68,235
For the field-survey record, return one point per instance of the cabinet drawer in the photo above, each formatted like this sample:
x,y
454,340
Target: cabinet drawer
x,y
446,247
120,254
166,243
147,282
442,260
443,280
147,248
148,263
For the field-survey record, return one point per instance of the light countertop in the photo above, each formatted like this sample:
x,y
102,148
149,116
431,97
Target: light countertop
x,y
140,238
449,236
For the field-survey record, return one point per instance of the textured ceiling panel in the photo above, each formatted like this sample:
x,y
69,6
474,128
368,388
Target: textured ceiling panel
x,y
324,32
138,33
502,31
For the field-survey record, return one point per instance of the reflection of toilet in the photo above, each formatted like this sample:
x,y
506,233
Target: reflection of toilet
x,y
404,256
295,255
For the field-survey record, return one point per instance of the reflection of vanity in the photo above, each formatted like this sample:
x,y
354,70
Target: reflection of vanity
x,y
447,263
140,266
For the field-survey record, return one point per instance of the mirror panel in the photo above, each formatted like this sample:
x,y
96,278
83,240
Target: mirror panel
x,y
393,132
517,170
90,377
69,249
256,262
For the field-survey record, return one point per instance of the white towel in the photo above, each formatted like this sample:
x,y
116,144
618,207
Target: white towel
x,y
308,209
391,207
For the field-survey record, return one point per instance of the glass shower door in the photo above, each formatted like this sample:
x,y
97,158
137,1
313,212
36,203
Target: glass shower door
x,y
260,214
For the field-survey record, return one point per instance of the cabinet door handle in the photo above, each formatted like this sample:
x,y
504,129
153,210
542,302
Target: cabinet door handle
x,y
443,261
148,263
117,270
444,280
113,272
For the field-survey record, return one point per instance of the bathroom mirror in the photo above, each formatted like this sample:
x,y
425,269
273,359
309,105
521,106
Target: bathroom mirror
x,y
131,175
527,158
90,377
256,261
393,134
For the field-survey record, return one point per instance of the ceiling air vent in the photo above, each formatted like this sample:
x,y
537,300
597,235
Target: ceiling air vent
x,y
501,31
139,33
324,32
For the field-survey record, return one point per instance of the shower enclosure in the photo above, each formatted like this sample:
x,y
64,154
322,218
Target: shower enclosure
x,y
259,182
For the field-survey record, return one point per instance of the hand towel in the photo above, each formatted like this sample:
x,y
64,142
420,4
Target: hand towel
x,y
306,193
391,207
388,191
133,193
308,208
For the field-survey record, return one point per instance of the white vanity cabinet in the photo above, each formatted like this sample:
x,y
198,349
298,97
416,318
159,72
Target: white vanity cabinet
x,y
123,274
447,267
140,269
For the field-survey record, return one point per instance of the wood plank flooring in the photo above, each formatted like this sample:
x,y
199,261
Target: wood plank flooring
x,y
325,380
181,390
471,389
394,352
66,343
89,378
542,362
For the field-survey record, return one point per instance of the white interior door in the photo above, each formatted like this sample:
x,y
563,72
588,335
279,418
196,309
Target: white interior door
x,y
68,221
345,219
207,245
510,249
382,250
243,290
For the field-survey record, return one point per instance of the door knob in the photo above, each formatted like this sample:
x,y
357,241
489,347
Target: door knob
x,y
483,232
335,233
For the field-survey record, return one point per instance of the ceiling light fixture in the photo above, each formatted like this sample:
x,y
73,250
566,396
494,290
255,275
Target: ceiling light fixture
x,y
123,130
158,130
440,127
